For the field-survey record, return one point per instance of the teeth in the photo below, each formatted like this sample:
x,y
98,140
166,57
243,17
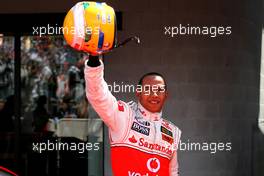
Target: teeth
x,y
154,102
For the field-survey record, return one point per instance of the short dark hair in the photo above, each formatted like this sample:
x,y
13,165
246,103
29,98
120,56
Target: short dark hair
x,y
152,74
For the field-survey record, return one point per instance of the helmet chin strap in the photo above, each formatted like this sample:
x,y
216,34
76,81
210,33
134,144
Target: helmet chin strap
x,y
135,39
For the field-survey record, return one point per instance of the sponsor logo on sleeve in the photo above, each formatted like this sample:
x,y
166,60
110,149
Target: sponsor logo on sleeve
x,y
120,106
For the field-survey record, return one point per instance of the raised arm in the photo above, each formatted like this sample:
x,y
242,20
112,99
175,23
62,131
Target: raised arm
x,y
105,104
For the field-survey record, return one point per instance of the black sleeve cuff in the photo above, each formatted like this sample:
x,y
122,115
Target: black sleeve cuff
x,y
93,61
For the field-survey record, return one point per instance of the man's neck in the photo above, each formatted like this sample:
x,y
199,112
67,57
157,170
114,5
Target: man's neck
x,y
154,116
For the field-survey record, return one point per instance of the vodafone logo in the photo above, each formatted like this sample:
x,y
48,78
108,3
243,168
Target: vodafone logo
x,y
153,165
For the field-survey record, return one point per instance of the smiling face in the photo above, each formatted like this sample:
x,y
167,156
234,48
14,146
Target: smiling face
x,y
153,94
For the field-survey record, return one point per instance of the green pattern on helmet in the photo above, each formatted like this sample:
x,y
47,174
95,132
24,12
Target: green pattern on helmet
x,y
85,5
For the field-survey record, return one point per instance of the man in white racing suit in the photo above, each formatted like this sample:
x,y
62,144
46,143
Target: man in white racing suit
x,y
142,142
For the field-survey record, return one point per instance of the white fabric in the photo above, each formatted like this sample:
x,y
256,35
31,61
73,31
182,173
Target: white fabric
x,y
118,115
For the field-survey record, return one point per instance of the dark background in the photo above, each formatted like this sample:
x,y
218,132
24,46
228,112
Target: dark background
x,y
213,82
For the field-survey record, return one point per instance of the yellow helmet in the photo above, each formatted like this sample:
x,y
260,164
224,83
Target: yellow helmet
x,y
90,27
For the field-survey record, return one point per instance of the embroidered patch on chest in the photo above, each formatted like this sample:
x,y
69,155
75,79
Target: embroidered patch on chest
x,y
166,131
141,129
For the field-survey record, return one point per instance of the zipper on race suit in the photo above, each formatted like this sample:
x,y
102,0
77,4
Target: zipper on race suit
x,y
155,134
154,142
